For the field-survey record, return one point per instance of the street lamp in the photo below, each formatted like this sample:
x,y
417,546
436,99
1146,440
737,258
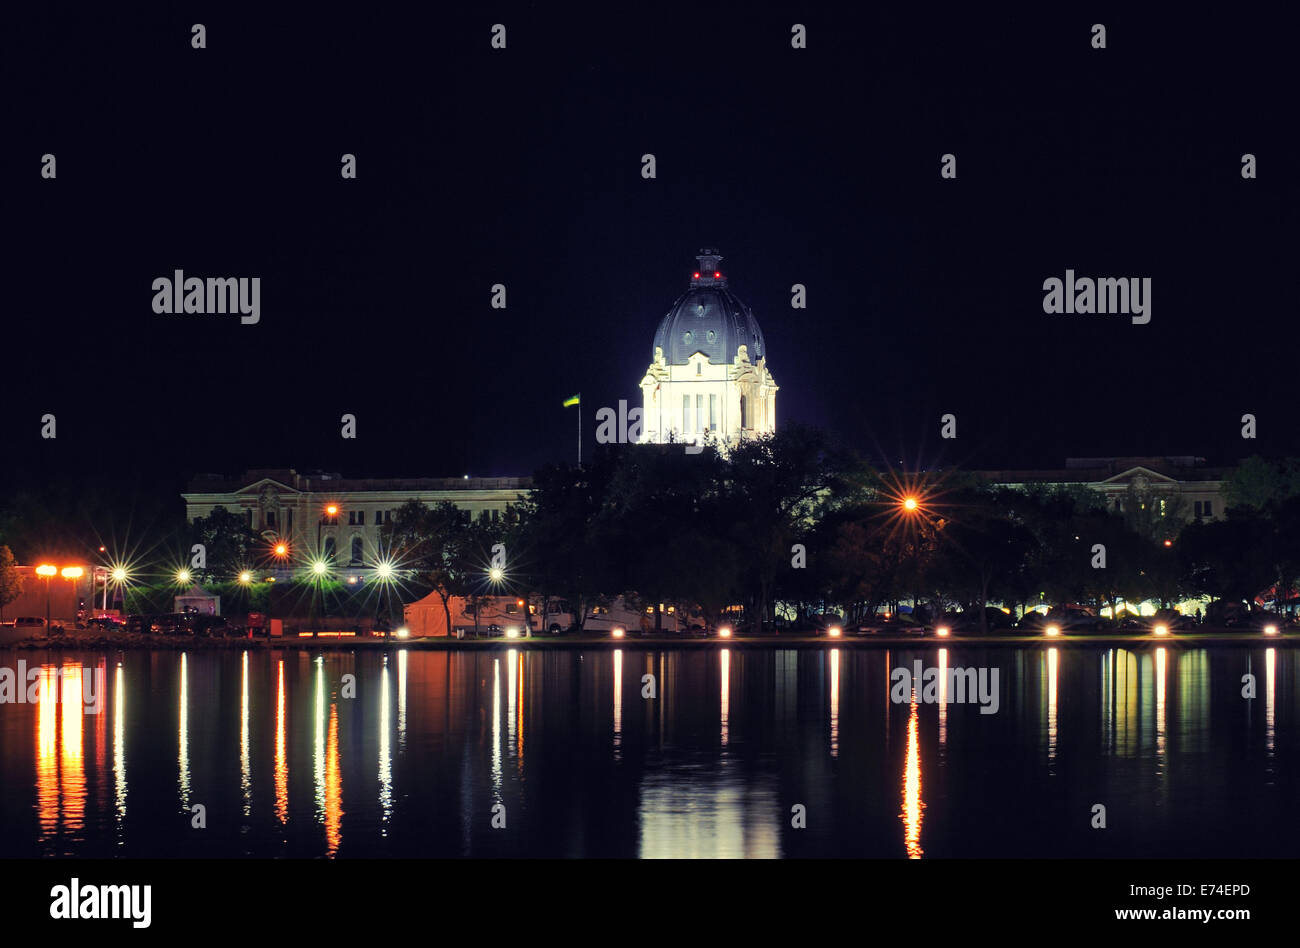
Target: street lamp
x,y
49,572
910,503
331,511
72,574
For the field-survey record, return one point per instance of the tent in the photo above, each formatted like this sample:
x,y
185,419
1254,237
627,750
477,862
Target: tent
x,y
199,600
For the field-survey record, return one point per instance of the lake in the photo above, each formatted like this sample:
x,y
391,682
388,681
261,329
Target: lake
x,y
419,753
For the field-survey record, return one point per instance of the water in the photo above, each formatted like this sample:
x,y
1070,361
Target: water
x,y
284,763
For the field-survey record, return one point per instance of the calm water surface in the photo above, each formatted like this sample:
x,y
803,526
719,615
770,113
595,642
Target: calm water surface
x,y
285,763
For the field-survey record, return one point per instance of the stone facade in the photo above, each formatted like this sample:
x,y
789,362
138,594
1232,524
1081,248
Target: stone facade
x,y
285,506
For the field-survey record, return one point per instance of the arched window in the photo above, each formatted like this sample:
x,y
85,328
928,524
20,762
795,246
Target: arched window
x,y
744,411
356,551
330,548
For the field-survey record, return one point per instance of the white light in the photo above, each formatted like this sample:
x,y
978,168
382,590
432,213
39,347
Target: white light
x,y
617,632
512,632
1270,630
942,631
834,631
724,632
1053,630
403,632
496,574
1162,629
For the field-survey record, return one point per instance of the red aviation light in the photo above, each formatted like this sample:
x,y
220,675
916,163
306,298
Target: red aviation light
x,y
697,276
716,274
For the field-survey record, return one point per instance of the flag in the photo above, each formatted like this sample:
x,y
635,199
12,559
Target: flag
x,y
570,401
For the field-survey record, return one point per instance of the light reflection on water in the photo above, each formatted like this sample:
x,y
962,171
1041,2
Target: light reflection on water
x,y
288,762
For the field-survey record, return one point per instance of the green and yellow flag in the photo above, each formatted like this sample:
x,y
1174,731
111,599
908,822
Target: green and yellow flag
x,y
571,401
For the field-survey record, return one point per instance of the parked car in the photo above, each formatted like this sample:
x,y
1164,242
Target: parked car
x,y
29,623
106,623
173,623
210,626
1032,623
893,625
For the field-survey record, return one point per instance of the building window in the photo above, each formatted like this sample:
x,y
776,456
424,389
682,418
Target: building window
x,y
744,411
250,518
713,412
330,548
356,551
496,516
699,412
686,413
270,519
699,368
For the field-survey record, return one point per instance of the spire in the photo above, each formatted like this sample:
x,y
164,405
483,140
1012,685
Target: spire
x,y
708,271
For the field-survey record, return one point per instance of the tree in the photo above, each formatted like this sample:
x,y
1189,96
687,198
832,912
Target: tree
x,y
11,581
229,543
435,542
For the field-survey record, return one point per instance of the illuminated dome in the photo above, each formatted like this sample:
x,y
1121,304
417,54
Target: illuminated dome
x,y
708,318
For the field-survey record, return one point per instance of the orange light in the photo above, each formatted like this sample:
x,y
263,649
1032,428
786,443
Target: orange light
x,y
1270,630
281,549
910,503
724,632
834,631
71,572
1169,543
942,631
519,602
45,569
1053,630
1162,629
617,632
332,510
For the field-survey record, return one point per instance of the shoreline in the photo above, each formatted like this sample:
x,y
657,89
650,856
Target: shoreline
x,y
80,641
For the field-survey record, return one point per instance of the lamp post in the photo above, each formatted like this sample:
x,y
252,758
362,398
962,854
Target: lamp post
x,y
49,572
331,511
72,574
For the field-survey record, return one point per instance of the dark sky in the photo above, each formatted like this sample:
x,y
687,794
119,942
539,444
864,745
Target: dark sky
x,y
522,166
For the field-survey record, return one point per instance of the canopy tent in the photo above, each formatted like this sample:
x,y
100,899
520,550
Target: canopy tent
x,y
199,600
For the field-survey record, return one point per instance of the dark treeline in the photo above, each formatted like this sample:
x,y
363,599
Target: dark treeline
x,y
789,526
782,527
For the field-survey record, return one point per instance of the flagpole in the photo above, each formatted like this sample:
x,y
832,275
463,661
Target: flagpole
x,y
580,429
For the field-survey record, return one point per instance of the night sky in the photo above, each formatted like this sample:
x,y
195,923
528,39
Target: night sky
x,y
522,166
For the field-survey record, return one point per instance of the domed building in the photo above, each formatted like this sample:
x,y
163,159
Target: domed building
x,y
708,375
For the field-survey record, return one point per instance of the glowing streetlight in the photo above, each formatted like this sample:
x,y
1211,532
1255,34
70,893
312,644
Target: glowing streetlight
x,y
48,571
943,631
496,574
119,575
332,510
910,503
1161,629
834,632
320,567
245,577
183,576
72,572
724,632
281,550
1270,630
384,570
1053,630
